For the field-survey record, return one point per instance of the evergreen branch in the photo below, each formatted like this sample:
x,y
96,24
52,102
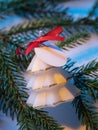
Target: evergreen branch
x,y
88,69
6,6
24,33
15,38
36,24
25,8
89,22
87,113
87,81
87,84
87,77
25,60
92,12
47,123
14,96
9,83
74,40
48,23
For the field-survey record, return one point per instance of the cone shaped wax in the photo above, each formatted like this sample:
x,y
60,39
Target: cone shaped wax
x,y
51,97
46,79
37,65
51,56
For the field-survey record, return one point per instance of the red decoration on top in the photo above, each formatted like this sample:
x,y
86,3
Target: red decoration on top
x,y
18,53
51,35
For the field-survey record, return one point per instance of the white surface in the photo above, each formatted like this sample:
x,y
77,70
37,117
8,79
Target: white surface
x,y
37,65
46,79
51,56
50,88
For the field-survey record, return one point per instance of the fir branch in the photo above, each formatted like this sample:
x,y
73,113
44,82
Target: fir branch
x,y
89,23
26,8
49,22
47,122
87,84
89,70
84,104
13,37
36,24
25,60
14,96
86,79
9,83
92,12
87,112
6,6
74,40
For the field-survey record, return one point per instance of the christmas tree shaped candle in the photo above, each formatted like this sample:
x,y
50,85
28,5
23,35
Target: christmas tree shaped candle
x,y
48,80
